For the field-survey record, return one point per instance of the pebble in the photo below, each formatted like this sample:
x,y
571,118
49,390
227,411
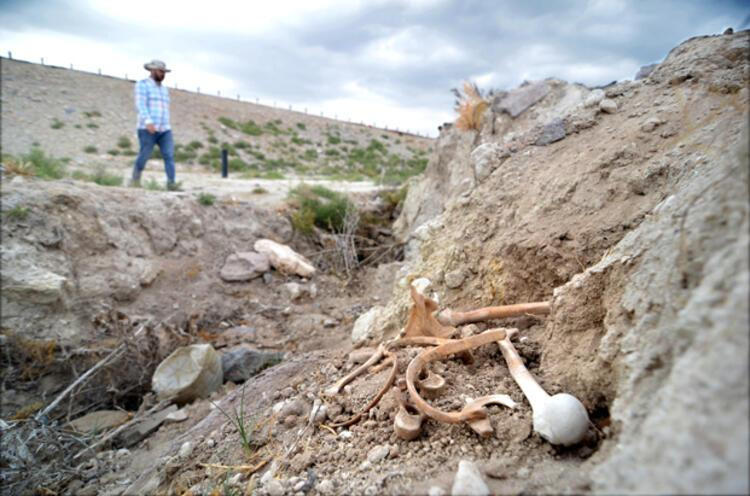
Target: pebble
x,y
607,105
185,450
523,472
298,486
274,488
378,453
345,434
435,491
210,443
468,480
326,487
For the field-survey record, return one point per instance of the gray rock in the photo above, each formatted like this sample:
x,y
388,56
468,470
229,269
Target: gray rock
x,y
455,278
645,71
520,99
378,453
293,289
33,284
607,105
185,450
140,430
241,363
551,132
244,266
468,481
435,491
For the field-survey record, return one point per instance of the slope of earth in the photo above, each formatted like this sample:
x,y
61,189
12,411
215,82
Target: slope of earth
x,y
90,120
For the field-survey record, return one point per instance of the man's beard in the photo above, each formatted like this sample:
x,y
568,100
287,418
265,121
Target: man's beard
x,y
158,77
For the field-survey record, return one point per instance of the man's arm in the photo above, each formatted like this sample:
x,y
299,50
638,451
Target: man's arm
x,y
141,105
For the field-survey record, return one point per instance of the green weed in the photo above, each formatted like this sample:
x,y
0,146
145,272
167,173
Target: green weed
x,y
18,212
238,420
206,199
124,142
153,185
43,166
301,125
92,113
320,206
57,124
92,125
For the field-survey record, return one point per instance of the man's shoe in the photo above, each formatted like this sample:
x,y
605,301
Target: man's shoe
x,y
135,183
173,187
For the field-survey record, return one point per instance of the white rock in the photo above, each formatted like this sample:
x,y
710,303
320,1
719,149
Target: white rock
x,y
345,434
366,325
607,105
435,491
178,416
485,158
455,278
594,98
284,259
378,453
185,450
274,488
326,487
421,284
468,480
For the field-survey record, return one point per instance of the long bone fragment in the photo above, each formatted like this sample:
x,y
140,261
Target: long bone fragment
x,y
471,412
560,419
339,385
482,426
388,384
448,317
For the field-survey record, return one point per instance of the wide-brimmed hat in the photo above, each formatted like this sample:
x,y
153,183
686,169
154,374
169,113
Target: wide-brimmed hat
x,y
156,65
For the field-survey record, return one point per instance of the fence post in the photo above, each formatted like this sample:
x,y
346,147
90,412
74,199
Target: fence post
x,y
238,97
218,92
199,90
10,55
42,60
224,163
100,71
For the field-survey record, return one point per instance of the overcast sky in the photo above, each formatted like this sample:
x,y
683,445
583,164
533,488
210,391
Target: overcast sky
x,y
385,62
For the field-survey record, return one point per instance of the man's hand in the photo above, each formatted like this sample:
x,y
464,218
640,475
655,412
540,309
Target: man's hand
x,y
150,128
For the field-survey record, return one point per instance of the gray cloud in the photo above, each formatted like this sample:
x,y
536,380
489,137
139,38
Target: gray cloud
x,y
414,55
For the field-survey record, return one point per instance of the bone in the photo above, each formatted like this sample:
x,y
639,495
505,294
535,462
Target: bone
x,y
421,322
407,425
339,385
472,411
450,317
431,385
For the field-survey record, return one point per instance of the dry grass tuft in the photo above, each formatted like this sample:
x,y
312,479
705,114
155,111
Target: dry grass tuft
x,y
470,106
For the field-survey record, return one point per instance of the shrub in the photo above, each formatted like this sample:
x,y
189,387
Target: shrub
x,y
92,113
114,152
320,206
124,142
300,141
259,190
228,122
92,125
77,126
56,123
104,178
43,166
153,185
332,152
242,145
333,139
129,153
195,144
18,212
212,139
251,128
206,199
470,106
310,154
301,125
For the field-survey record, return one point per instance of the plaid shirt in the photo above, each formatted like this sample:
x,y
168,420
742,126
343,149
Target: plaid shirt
x,y
152,104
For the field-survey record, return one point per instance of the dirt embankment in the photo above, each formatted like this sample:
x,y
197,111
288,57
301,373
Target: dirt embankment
x,y
627,209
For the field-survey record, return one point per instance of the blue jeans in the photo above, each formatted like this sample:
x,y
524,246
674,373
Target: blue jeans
x,y
147,142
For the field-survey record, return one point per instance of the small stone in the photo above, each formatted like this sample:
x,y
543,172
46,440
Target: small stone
x,y
326,487
651,124
178,416
291,420
210,443
523,472
594,98
185,450
455,278
274,488
294,290
468,480
394,451
298,486
378,453
345,434
435,491
608,106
